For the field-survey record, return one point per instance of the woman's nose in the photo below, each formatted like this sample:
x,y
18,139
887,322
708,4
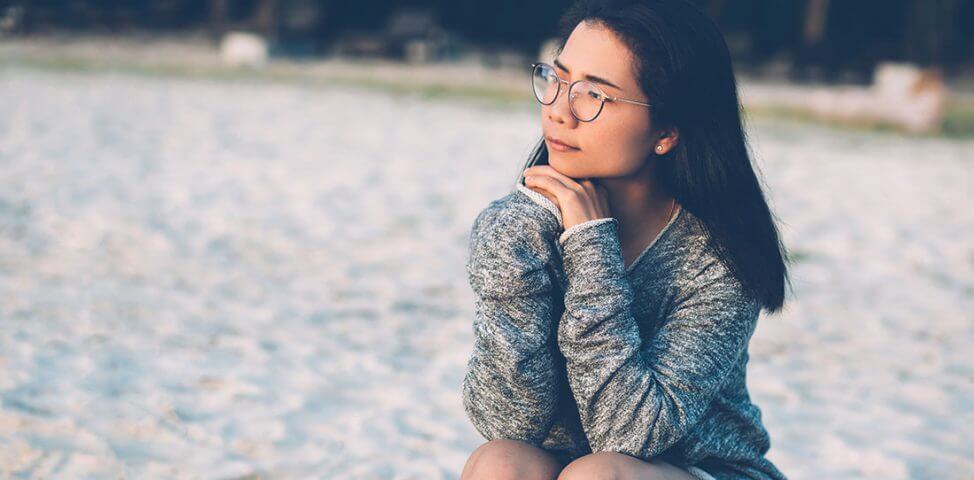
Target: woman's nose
x,y
560,111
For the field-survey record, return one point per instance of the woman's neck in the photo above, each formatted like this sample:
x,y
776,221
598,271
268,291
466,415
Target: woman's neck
x,y
641,207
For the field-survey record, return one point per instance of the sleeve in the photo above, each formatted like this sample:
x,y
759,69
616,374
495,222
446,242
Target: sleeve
x,y
509,390
635,397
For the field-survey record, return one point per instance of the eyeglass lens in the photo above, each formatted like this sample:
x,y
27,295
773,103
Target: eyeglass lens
x,y
585,100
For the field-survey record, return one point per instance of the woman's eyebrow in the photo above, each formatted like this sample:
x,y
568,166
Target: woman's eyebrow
x,y
592,78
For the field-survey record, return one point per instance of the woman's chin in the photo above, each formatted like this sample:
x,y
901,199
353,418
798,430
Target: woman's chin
x,y
569,169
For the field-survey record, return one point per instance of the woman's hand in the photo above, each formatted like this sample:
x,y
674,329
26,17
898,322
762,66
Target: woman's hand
x,y
579,201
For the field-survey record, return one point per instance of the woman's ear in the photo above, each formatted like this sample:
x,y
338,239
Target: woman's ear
x,y
667,139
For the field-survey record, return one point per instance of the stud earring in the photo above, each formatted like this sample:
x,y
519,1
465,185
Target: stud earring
x,y
659,148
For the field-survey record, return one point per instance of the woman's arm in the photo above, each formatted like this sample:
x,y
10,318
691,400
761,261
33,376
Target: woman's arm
x,y
510,386
640,398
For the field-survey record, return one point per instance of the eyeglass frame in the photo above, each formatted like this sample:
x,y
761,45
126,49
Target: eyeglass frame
x,y
605,96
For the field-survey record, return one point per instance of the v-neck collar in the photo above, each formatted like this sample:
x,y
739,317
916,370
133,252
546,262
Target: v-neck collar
x,y
659,235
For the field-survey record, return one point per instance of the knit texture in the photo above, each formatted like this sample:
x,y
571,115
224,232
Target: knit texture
x,y
576,352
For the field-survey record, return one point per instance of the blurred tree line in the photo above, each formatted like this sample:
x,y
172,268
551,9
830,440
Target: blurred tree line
x,y
813,37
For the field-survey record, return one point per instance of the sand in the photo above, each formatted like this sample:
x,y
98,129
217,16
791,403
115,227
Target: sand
x,y
224,280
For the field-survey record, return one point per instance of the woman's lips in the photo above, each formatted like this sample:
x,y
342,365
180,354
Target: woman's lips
x,y
558,146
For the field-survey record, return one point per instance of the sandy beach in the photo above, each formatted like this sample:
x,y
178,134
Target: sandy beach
x,y
205,279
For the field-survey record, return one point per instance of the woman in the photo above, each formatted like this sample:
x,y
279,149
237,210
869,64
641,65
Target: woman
x,y
618,285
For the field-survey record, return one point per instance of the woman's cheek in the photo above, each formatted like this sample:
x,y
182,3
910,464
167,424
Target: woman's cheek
x,y
612,151
617,161
634,151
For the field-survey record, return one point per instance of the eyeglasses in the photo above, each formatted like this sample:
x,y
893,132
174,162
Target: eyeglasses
x,y
585,100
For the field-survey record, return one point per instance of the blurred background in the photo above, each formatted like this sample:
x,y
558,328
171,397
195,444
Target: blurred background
x,y
233,232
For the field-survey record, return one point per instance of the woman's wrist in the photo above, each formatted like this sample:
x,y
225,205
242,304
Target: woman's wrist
x,y
582,226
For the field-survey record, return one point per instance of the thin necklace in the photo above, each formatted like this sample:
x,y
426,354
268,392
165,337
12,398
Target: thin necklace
x,y
653,242
670,216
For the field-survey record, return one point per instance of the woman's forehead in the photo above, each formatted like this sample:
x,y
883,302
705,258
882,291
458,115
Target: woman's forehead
x,y
595,50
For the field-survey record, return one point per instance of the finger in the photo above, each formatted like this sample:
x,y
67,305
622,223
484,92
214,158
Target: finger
x,y
601,195
547,194
568,198
589,186
552,185
567,181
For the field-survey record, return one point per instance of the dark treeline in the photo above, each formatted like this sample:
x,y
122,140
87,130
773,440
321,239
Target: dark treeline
x,y
832,36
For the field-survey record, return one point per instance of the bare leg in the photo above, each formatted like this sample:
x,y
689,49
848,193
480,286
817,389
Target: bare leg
x,y
621,467
510,459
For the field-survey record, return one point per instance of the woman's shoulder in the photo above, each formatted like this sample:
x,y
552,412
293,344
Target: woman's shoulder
x,y
686,244
521,210
700,268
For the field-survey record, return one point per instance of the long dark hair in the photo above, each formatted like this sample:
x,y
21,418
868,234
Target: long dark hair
x,y
684,67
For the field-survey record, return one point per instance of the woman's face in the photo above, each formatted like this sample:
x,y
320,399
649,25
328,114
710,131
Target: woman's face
x,y
618,141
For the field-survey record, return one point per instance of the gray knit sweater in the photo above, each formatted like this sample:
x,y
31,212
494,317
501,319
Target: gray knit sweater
x,y
575,352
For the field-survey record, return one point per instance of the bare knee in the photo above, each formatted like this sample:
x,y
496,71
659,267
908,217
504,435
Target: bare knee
x,y
617,466
595,466
510,459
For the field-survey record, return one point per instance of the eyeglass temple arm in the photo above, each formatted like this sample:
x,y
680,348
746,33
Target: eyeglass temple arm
x,y
629,101
615,99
